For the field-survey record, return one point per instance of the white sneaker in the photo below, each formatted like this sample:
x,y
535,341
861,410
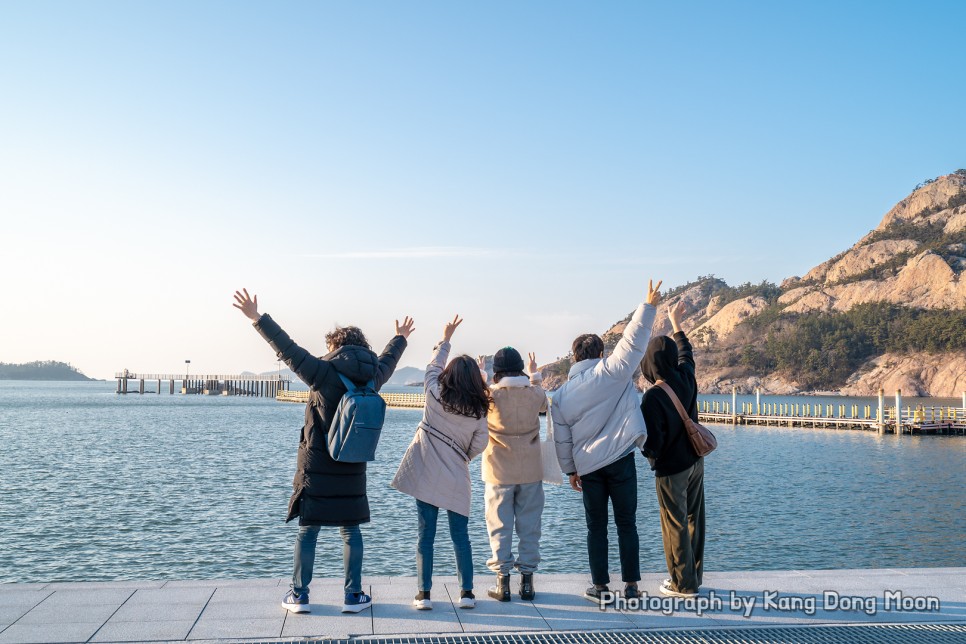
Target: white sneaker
x,y
467,599
422,601
670,592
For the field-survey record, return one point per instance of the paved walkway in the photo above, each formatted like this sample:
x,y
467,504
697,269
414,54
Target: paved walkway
x,y
250,609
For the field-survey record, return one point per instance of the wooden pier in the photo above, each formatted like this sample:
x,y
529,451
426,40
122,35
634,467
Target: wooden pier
x,y
400,401
204,384
879,418
929,420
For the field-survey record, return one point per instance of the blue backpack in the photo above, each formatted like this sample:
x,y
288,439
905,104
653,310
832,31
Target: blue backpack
x,y
357,424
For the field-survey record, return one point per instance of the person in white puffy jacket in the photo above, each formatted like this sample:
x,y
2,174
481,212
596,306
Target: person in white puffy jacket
x,y
597,428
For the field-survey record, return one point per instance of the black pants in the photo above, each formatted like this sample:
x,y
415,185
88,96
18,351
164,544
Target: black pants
x,y
618,483
681,499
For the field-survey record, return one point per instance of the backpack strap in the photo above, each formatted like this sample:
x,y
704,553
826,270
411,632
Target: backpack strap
x,y
674,399
351,386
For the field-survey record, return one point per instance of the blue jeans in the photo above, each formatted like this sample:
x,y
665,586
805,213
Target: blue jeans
x,y
428,514
305,557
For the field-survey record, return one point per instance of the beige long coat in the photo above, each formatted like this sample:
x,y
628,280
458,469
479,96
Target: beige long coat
x,y
432,470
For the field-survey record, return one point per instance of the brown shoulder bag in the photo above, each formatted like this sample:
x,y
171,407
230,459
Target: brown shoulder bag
x,y
702,440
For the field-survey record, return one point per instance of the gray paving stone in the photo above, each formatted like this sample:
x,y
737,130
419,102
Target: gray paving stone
x,y
41,633
236,628
10,614
69,614
393,612
222,583
103,585
88,597
250,609
243,610
564,608
237,594
157,612
171,596
16,585
151,631
491,615
22,597
328,621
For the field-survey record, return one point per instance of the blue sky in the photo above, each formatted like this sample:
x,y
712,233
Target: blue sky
x,y
527,165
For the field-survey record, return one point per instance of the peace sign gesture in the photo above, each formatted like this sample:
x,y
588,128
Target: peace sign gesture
x,y
450,328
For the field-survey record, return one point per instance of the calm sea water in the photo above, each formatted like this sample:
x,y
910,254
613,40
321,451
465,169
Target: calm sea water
x,y
96,487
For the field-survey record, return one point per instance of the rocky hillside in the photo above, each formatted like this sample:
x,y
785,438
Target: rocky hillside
x,y
889,312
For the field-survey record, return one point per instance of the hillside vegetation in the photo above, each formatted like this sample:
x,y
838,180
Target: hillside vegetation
x,y
40,370
888,312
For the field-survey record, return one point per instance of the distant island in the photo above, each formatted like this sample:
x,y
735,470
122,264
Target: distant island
x,y
41,370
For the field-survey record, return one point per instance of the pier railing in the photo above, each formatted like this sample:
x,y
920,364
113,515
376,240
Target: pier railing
x,y
941,420
404,401
245,384
933,419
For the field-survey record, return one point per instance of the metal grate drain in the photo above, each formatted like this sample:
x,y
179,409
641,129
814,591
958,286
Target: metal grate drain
x,y
853,634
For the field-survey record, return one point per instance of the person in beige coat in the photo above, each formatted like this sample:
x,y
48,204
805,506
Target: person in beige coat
x,y
513,471
435,469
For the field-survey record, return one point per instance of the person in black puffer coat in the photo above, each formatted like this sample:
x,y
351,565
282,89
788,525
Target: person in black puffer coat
x,y
327,492
678,470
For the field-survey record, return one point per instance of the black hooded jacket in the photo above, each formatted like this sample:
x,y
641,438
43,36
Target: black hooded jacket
x,y
325,491
667,441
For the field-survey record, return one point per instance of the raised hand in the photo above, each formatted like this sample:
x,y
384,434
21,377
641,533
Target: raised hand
x,y
532,367
654,293
247,304
406,327
450,328
481,361
674,314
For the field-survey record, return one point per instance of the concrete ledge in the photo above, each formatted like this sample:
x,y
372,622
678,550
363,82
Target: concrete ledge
x,y
219,610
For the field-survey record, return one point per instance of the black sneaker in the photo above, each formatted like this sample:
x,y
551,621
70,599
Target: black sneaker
x,y
467,599
631,592
593,593
356,602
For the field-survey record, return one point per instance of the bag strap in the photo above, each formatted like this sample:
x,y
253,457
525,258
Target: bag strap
x,y
674,399
435,433
351,386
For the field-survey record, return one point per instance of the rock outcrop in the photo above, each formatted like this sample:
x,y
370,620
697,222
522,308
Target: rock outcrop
x,y
916,375
927,199
915,259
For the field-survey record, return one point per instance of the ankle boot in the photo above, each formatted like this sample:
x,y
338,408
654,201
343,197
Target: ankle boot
x,y
501,591
527,592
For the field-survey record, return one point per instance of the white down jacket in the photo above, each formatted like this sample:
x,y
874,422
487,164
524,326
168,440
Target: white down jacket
x,y
597,413
435,468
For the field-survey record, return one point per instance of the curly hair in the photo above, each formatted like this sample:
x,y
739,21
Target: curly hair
x,y
346,335
461,388
587,347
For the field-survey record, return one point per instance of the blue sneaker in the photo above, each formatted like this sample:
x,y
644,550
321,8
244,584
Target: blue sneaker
x,y
355,602
296,603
